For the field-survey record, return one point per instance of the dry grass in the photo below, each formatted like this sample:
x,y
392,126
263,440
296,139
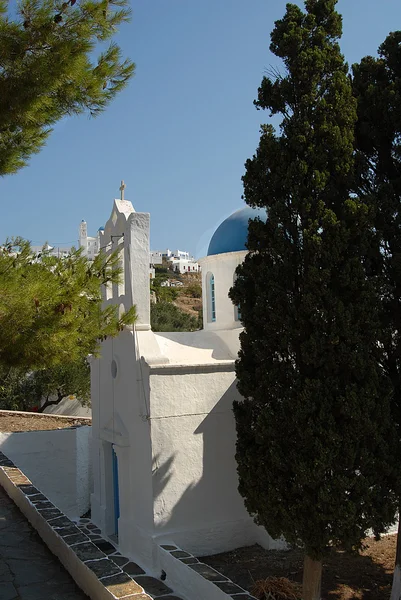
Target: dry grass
x,y
19,423
276,588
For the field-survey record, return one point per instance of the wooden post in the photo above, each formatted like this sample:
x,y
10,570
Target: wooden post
x,y
312,579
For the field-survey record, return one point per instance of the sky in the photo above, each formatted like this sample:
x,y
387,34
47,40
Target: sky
x,y
181,131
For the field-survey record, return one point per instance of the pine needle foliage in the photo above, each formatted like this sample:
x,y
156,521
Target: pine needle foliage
x,y
49,69
315,435
50,308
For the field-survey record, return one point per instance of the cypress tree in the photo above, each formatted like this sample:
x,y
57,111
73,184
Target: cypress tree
x,y
314,427
377,87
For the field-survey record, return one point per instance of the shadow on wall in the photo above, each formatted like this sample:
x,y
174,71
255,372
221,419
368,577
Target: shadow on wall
x,y
218,348
210,506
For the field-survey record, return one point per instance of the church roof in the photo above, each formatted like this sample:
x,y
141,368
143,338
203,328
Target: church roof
x,y
232,234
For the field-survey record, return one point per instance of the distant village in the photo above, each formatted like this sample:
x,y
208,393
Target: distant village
x,y
179,261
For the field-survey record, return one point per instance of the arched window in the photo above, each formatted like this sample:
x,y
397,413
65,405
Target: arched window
x,y
238,312
211,298
237,308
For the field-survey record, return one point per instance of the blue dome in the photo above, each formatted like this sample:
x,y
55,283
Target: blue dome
x,y
101,229
232,234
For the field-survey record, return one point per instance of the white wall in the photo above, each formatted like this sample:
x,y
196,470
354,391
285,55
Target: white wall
x,y
223,268
57,462
164,403
69,408
195,484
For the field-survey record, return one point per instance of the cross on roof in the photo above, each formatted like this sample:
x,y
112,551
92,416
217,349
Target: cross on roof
x,y
122,188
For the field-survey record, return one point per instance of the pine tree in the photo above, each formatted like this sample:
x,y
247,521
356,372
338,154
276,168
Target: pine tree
x,y
315,433
377,87
50,308
25,390
47,70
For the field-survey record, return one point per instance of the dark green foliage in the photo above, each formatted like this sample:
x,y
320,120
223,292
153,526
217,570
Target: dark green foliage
x,y
47,70
13,394
315,434
163,293
377,87
21,390
165,316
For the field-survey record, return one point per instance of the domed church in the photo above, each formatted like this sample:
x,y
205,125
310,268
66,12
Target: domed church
x,y
226,251
163,429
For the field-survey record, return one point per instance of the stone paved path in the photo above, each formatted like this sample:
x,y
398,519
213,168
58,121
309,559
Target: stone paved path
x,y
28,570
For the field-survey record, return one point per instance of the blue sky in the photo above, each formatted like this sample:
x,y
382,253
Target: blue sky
x,y
180,133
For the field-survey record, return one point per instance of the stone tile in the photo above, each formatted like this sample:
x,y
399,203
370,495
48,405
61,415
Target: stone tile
x,y
28,564
169,597
119,560
5,573
61,522
11,470
75,538
228,587
122,585
91,526
64,531
32,571
189,561
97,530
5,462
87,551
38,498
131,568
152,586
84,520
105,546
51,590
138,597
207,572
181,554
94,537
103,567
28,489
8,591
50,513
43,504
168,547
19,479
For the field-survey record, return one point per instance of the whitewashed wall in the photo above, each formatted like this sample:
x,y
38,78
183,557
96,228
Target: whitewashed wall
x,y
69,408
223,268
58,462
163,402
195,497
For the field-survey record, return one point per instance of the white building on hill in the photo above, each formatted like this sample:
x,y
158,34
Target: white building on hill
x,y
181,260
57,251
90,245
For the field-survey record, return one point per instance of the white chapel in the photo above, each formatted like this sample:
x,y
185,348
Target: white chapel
x,y
163,428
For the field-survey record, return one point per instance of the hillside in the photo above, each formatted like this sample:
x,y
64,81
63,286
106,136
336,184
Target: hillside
x,y
189,298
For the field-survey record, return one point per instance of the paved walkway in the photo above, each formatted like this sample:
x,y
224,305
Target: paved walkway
x,y
28,570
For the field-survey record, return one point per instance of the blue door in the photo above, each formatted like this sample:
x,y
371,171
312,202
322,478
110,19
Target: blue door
x,y
115,491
